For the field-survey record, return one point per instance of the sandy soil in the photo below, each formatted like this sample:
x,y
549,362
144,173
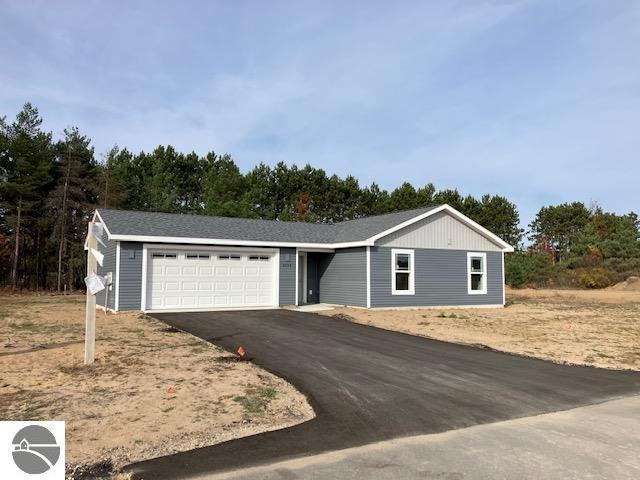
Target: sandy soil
x,y
151,392
599,328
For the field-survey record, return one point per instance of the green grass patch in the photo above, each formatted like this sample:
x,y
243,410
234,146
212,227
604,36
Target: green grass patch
x,y
256,400
23,326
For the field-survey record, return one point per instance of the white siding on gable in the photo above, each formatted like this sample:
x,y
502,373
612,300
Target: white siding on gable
x,y
440,231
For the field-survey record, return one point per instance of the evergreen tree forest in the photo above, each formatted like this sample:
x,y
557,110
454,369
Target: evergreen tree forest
x,y
49,188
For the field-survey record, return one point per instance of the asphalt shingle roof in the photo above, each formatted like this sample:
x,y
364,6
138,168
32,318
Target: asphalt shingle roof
x,y
153,224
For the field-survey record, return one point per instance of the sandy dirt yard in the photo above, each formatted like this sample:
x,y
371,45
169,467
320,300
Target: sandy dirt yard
x,y
152,390
599,328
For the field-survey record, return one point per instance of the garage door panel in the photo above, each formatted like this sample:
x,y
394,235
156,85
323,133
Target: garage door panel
x,y
171,270
189,270
220,300
192,279
188,301
171,301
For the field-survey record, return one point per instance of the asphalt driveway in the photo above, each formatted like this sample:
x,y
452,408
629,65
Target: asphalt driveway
x,y
368,385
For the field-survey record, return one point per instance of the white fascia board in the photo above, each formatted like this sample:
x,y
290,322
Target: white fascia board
x,y
97,214
239,243
463,218
253,249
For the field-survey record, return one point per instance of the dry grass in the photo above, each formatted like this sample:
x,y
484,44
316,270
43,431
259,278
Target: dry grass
x,y
151,392
598,328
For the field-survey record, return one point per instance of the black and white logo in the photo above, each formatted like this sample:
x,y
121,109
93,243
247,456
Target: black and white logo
x,y
35,449
32,450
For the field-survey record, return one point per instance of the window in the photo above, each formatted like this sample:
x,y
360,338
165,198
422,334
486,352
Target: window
x,y
196,256
477,273
258,258
228,257
163,255
402,272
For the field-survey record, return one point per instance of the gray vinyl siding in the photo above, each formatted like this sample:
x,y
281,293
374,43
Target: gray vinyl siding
x,y
343,277
287,276
108,265
440,279
130,276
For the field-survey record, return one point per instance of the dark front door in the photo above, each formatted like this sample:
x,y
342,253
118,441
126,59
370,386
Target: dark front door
x,y
313,282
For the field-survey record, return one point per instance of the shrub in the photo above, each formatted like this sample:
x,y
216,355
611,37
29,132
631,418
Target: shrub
x,y
597,277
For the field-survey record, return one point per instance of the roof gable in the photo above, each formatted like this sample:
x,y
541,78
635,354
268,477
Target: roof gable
x,y
440,231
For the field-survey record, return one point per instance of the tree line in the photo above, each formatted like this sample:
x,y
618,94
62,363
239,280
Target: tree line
x,y
573,245
50,187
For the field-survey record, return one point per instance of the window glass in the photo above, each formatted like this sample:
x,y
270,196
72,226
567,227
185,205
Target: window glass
x,y
163,255
402,281
476,264
229,257
402,261
476,281
194,256
257,258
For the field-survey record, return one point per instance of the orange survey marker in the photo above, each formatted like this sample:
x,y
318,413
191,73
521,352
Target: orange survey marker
x,y
241,351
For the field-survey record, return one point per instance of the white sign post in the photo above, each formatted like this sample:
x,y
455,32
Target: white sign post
x,y
90,323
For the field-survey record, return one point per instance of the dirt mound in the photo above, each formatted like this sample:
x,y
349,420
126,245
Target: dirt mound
x,y
631,284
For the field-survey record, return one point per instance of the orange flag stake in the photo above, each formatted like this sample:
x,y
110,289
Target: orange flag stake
x,y
241,351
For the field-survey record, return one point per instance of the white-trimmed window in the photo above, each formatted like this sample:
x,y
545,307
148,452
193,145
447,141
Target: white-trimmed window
x,y
163,255
402,272
197,256
229,257
477,273
258,258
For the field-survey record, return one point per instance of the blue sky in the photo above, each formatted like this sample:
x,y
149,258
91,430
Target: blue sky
x,y
535,100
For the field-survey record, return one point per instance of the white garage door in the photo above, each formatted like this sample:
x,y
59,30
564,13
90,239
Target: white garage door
x,y
192,280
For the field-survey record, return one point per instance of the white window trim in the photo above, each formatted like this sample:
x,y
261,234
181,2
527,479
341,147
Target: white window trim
x,y
482,255
412,272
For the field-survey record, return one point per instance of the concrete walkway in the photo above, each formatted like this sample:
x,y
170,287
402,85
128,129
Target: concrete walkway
x,y
594,442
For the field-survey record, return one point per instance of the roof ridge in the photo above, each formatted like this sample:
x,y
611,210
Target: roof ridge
x,y
333,224
427,207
